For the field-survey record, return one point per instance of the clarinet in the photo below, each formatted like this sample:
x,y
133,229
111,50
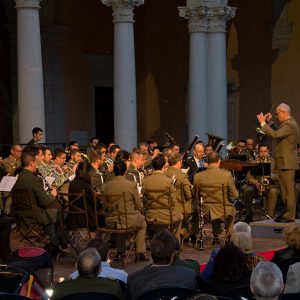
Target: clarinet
x,y
201,222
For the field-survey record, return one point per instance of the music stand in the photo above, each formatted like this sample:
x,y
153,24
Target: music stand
x,y
261,170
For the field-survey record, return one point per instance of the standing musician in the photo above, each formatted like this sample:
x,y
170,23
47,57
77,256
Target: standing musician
x,y
196,163
217,186
286,161
257,186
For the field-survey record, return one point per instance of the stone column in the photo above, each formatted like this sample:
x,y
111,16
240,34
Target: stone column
x,y
125,118
217,71
30,69
197,111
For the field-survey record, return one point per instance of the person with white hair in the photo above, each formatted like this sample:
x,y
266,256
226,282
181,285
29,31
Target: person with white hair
x,y
237,227
286,160
266,281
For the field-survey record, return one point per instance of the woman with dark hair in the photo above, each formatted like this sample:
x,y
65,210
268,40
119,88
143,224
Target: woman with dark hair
x,y
82,182
230,270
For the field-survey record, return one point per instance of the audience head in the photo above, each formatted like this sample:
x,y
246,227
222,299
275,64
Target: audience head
x,y
101,246
202,297
241,227
242,240
89,263
158,162
266,281
230,264
163,247
291,235
119,167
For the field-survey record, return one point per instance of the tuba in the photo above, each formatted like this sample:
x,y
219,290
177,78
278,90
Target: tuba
x,y
216,142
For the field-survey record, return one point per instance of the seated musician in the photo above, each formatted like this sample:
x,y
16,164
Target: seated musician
x,y
216,187
75,158
157,213
45,205
255,186
114,192
182,184
195,163
239,151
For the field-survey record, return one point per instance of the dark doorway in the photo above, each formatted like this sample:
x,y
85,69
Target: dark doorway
x,y
104,114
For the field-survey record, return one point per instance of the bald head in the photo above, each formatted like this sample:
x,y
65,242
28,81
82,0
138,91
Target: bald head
x,y
199,151
89,263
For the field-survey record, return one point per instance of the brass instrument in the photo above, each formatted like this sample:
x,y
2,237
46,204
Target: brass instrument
x,y
84,156
263,183
216,142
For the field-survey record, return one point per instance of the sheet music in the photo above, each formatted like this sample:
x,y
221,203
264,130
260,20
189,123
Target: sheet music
x,y
50,180
7,183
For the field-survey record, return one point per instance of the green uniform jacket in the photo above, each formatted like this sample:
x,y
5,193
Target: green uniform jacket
x,y
44,204
209,183
183,189
287,137
10,164
114,202
155,212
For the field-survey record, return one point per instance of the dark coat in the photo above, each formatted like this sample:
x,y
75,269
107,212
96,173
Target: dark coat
x,y
78,221
44,205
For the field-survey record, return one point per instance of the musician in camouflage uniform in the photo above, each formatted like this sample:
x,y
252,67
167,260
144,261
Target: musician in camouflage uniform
x,y
13,161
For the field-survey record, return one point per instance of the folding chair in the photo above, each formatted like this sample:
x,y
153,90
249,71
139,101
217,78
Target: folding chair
x,y
106,232
75,208
157,202
27,225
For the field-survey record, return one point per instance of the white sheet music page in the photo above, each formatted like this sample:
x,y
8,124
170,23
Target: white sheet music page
x,y
7,183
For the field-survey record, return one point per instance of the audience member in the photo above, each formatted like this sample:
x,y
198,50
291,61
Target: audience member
x,y
292,283
266,281
161,274
243,240
106,271
237,227
89,266
230,270
292,238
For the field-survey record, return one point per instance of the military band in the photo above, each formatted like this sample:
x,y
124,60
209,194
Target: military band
x,y
160,188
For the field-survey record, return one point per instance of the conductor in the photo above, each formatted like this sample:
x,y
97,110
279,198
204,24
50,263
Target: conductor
x,y
286,161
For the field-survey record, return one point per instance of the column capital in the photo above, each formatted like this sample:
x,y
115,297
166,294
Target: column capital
x,y
122,9
28,4
218,17
205,18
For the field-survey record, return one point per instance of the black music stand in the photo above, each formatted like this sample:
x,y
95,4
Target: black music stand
x,y
262,169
